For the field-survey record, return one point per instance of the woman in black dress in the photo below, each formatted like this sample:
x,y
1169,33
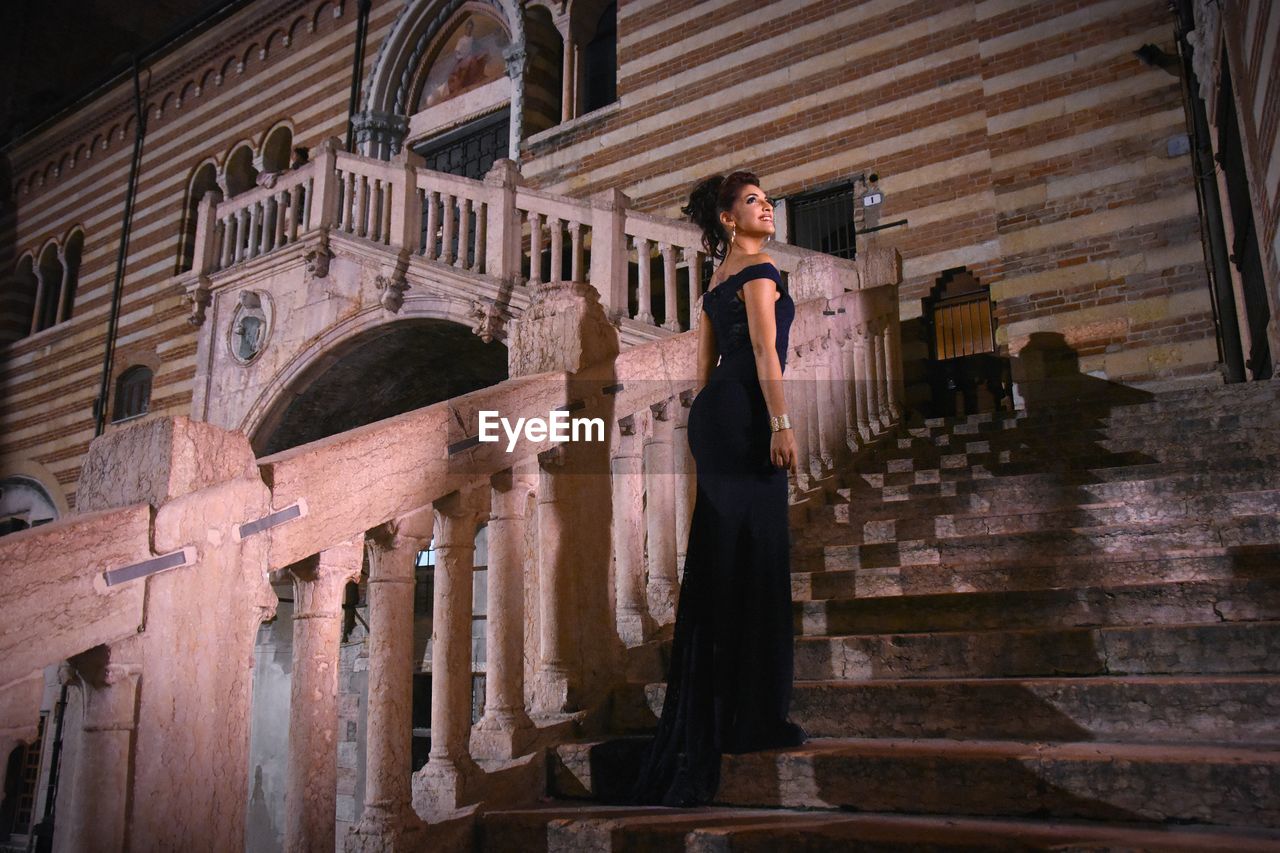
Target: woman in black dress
x,y
729,684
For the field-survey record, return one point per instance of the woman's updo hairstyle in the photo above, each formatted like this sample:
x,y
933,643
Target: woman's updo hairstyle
x,y
709,199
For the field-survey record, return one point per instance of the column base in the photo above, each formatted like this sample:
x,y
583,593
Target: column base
x,y
387,829
663,593
635,628
506,734
552,691
445,785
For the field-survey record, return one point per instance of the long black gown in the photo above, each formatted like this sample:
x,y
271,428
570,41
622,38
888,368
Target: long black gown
x,y
729,684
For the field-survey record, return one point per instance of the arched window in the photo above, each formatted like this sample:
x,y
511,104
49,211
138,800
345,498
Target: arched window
x,y
276,150
18,302
204,180
49,274
600,62
71,254
24,503
544,74
133,393
241,175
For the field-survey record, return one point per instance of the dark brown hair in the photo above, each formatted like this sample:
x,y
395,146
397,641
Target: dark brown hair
x,y
709,199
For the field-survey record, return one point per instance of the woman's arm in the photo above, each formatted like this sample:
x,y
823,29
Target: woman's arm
x,y
759,294
706,351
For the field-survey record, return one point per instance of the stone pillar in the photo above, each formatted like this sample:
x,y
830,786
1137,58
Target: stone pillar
x,y
824,404
505,730
868,399
553,693
99,807
608,273
882,374
686,480
388,822
502,243
311,793
442,784
660,518
634,624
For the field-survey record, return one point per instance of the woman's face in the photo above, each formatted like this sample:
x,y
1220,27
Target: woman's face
x,y
752,212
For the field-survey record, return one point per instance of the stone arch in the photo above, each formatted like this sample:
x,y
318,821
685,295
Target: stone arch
x,y
72,254
544,74
427,354
387,96
239,174
18,300
277,146
30,491
49,273
203,179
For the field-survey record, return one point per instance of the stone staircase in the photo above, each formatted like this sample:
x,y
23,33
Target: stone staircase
x,y
1055,630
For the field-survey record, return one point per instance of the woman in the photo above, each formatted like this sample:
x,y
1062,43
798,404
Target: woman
x,y
729,684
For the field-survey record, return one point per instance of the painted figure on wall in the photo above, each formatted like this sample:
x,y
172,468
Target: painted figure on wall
x,y
470,58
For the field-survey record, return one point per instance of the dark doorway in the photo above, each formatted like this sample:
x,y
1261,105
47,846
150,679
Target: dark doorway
x,y
388,370
965,371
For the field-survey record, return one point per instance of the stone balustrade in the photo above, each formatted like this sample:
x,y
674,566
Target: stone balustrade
x,y
308,514
496,228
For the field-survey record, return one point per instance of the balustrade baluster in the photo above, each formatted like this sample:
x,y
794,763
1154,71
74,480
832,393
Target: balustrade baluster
x,y
557,248
362,206
254,247
693,262
388,197
478,263
464,234
432,206
575,251
535,247
447,248
228,240
670,302
306,206
862,381
644,310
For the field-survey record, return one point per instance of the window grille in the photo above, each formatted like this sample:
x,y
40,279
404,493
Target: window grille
x,y
822,220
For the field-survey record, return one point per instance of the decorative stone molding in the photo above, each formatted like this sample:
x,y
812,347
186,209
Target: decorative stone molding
x,y
489,320
565,328
318,258
197,299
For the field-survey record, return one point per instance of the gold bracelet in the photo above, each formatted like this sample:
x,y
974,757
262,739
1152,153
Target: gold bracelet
x,y
777,423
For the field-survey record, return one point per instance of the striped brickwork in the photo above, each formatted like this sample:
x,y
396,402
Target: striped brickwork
x,y
1018,137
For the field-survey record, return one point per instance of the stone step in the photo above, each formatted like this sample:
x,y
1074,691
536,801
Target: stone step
x,y
574,826
1181,602
1031,518
1231,784
814,584
1192,428
871,487
1179,537
1221,648
1111,466
1209,648
1219,784
1218,708
1046,493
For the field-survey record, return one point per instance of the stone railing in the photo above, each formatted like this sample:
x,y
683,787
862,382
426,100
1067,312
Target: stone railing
x,y
496,228
154,593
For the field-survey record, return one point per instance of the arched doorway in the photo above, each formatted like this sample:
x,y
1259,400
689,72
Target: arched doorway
x,y
377,374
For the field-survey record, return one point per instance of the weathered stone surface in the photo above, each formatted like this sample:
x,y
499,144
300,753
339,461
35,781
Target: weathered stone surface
x,y
53,579
156,460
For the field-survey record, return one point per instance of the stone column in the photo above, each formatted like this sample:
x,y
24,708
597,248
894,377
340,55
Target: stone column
x,y
868,399
388,822
686,480
553,693
311,793
505,730
634,624
825,404
660,519
442,784
882,374
100,783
